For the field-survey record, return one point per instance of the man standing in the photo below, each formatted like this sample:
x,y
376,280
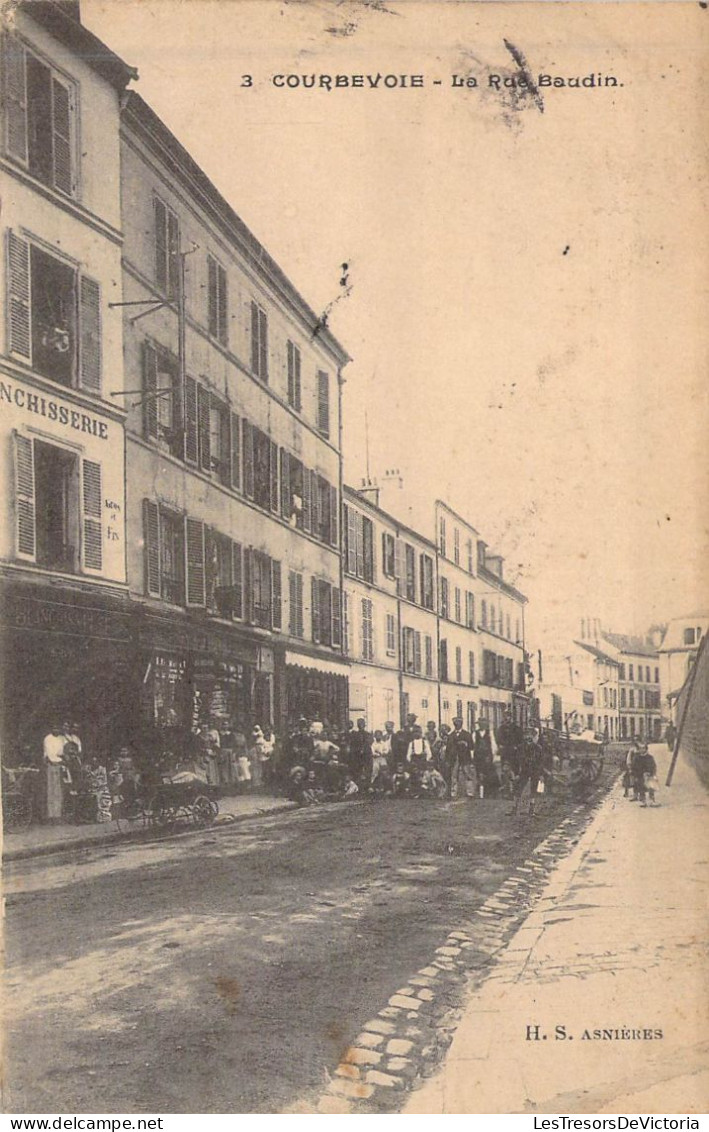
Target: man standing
x,y
459,758
531,770
509,741
483,757
360,756
402,739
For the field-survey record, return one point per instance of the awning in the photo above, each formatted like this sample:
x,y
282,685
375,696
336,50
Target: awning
x,y
318,663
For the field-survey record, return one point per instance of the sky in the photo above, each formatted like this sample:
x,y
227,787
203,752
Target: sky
x,y
527,311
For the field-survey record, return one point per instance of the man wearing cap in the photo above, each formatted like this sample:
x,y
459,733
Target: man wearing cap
x,y
459,755
483,756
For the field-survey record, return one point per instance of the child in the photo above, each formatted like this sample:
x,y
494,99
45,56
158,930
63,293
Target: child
x,y
350,788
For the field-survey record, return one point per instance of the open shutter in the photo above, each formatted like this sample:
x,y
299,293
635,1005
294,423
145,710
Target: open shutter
x,y
223,332
150,385
351,541
205,455
273,472
292,603
224,445
323,403
25,531
276,595
236,452
336,617
333,516
237,581
92,534
212,298
248,590
286,498
263,345
315,608
307,507
15,99
90,329
254,338
160,213
399,566
173,254
194,557
61,137
417,651
18,274
191,448
151,524
359,544
248,442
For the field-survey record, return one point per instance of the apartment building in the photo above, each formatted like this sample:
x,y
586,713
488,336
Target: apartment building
x,y
63,598
579,688
234,464
640,697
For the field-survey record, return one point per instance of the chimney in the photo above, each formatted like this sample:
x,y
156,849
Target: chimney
x,y
370,490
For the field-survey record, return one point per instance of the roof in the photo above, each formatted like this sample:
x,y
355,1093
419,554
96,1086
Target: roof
x,y
143,120
55,19
506,587
353,494
598,653
628,644
673,640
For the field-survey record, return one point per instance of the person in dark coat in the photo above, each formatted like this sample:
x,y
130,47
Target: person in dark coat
x,y
483,757
402,740
531,770
359,756
459,759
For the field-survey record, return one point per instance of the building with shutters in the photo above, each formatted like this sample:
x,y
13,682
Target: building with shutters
x,y
579,688
233,451
639,695
64,614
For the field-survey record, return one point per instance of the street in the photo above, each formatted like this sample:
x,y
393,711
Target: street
x,y
230,971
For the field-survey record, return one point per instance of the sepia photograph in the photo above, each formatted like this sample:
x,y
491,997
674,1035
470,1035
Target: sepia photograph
x,y
353,559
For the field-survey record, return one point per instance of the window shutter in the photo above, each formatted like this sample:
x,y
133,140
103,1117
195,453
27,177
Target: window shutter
x,y
336,617
307,508
248,442
254,338
290,350
399,566
222,320
351,541
92,532
333,516
25,532
15,99
292,603
323,403
203,402
417,651
315,608
173,253
90,327
61,137
286,496
276,595
150,384
273,472
18,272
191,420
212,304
151,523
263,345
248,594
236,452
194,555
237,581
224,445
160,213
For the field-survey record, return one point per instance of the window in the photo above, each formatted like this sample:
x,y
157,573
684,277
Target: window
x,y
445,602
391,634
471,667
605,697
456,546
647,675
458,665
518,637
264,590
621,672
259,342
443,661
326,610
345,622
174,556
631,672
426,581
295,604
657,675
641,700
359,544
323,403
622,697
294,390
457,605
40,118
217,302
54,316
483,614
428,655
167,249
388,555
367,630
631,697
508,633
408,649
493,618
469,553
410,567
224,569
689,636
442,536
469,610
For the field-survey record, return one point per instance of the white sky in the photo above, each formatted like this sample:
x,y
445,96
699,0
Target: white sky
x,y
558,400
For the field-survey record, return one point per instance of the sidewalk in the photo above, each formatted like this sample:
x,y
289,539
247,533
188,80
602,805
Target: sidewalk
x,y
617,942
43,839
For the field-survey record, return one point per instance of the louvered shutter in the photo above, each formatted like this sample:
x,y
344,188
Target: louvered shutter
x,y
359,544
203,402
248,591
307,508
151,524
286,497
399,565
25,531
90,330
254,338
237,580
290,348
194,558
61,137
150,384
15,99
160,214
191,447
273,472
351,541
224,445
212,298
368,557
92,533
333,516
276,596
18,273
223,330
263,345
173,254
417,651
292,604
236,452
323,403
336,617
248,442
315,609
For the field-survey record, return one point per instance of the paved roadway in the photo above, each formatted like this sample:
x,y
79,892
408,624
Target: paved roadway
x,y
230,970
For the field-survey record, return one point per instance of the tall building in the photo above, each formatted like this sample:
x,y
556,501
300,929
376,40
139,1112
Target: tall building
x,y
234,459
640,702
65,623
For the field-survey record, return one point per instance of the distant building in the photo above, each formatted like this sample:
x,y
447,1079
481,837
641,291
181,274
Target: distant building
x,y
677,653
640,704
579,689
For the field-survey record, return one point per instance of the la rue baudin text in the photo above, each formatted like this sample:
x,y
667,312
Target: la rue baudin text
x,y
381,81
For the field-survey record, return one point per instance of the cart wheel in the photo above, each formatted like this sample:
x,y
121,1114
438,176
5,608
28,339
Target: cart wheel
x,y
160,816
204,810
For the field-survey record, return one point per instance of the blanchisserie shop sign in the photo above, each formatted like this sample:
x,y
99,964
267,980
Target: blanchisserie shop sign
x,y
52,410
